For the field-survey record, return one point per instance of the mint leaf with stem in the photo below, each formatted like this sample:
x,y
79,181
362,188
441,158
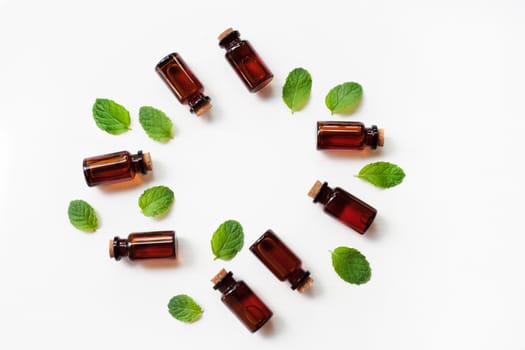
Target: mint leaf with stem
x,y
382,174
297,88
227,240
156,200
351,265
344,98
82,215
111,116
184,308
155,123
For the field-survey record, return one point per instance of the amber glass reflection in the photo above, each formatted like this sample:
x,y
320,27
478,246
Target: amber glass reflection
x,y
144,245
279,259
115,167
242,301
245,61
347,135
184,84
345,207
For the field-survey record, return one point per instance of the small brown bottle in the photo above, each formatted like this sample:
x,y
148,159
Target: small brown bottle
x,y
115,167
184,84
284,264
144,245
343,206
245,61
336,135
240,299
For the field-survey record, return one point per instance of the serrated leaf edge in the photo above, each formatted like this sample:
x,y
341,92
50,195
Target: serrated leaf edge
x,y
196,310
369,269
291,106
335,109
89,222
388,166
146,121
150,192
101,122
227,254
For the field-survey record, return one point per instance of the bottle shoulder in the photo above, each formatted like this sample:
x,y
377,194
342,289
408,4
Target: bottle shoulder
x,y
236,47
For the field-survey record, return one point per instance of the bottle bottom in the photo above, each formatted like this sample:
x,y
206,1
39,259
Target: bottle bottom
x,y
261,85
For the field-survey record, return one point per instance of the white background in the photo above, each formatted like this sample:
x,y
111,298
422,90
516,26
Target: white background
x,y
445,81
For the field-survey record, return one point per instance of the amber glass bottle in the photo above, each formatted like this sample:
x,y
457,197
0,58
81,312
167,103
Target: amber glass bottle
x,y
245,61
279,259
343,206
184,84
115,167
240,299
144,245
336,135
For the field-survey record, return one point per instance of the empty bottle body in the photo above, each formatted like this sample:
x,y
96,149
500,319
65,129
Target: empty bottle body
x,y
242,301
245,61
144,245
279,259
115,167
343,206
184,84
345,135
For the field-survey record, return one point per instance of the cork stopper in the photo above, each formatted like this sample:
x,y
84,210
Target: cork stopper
x,y
218,277
315,189
380,137
225,34
203,109
111,250
147,161
306,285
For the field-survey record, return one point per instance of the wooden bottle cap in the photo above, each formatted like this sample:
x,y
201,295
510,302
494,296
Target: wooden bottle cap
x,y
218,277
315,189
203,109
111,251
147,161
306,285
225,34
380,137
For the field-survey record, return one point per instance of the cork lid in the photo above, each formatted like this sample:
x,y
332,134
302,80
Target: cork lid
x,y
306,285
380,137
147,161
225,34
111,250
205,107
218,277
315,189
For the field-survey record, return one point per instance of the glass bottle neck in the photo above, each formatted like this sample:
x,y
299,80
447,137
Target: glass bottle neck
x,y
226,283
298,278
138,163
230,40
120,247
324,194
372,136
199,104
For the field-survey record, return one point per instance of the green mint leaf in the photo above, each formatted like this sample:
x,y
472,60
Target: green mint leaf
x,y
297,88
382,174
82,215
351,265
110,116
184,308
344,98
155,123
156,200
227,240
